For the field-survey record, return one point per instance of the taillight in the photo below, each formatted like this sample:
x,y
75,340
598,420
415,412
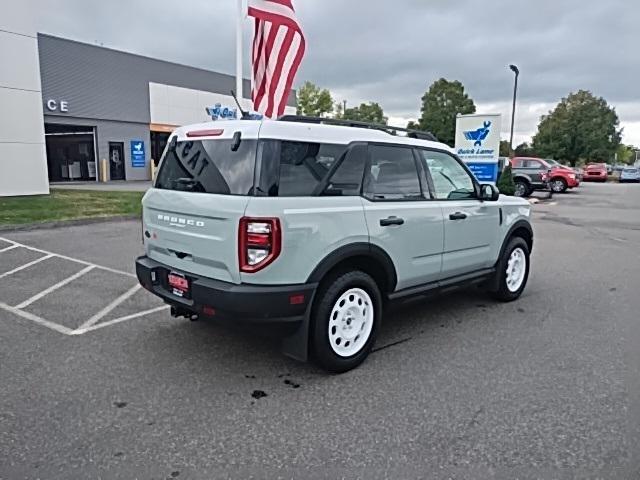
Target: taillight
x,y
259,243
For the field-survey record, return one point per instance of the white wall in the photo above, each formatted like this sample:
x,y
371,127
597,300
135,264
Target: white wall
x,y
178,106
23,162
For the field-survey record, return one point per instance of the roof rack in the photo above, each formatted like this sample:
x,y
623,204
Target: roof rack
x,y
352,123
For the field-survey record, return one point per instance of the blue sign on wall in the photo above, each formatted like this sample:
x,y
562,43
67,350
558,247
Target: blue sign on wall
x,y
484,172
137,154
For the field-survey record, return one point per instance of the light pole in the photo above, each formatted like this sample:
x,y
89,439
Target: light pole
x,y
516,71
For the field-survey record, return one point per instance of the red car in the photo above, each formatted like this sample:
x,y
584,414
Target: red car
x,y
595,172
560,177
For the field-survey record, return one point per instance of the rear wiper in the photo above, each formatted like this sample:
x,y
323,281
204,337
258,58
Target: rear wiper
x,y
186,183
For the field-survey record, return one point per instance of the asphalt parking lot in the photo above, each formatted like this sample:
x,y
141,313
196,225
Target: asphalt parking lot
x,y
99,382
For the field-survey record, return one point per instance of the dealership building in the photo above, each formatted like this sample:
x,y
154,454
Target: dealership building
x,y
79,112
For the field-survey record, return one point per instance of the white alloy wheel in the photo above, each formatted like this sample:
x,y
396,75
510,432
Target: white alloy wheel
x,y
557,186
521,189
351,322
516,270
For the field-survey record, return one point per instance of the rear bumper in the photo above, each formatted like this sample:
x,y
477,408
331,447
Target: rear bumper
x,y
217,299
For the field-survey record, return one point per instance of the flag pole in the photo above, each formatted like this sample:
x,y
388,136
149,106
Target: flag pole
x,y
239,20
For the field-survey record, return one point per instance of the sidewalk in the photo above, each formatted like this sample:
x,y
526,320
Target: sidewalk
x,y
131,186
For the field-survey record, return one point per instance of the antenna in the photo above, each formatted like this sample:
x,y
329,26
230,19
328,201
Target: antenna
x,y
245,115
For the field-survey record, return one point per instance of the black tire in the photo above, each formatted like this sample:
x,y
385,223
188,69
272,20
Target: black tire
x,y
329,293
501,290
523,189
559,185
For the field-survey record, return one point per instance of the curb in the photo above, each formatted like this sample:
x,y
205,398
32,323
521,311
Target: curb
x,y
66,223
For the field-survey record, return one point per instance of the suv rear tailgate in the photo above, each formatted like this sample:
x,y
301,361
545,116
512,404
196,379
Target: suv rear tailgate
x,y
194,232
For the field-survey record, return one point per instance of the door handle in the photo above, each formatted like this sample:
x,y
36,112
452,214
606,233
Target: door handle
x,y
457,216
386,222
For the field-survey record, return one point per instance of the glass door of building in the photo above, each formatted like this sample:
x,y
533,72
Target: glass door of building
x,y
116,161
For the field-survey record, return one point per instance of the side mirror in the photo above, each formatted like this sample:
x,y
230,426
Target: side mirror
x,y
489,192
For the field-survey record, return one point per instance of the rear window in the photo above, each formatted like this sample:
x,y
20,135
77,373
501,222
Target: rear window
x,y
209,166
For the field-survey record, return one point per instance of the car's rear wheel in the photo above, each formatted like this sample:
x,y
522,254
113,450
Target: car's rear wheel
x,y
522,188
345,319
559,185
512,271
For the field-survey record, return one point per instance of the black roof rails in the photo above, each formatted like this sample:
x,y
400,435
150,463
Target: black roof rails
x,y
352,123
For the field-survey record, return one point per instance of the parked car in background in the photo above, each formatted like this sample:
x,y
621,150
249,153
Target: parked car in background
x,y
529,175
630,174
562,177
595,172
579,173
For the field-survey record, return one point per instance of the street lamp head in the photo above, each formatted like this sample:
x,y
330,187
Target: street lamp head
x,y
514,69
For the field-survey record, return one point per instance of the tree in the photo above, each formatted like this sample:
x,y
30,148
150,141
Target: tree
x,y
413,125
506,185
314,102
366,112
524,150
505,151
581,127
440,105
626,154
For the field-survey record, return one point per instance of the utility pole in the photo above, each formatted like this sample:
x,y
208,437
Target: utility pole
x,y
516,71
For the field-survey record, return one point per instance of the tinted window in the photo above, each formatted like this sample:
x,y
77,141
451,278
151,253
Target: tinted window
x,y
347,177
533,164
209,166
295,169
393,174
451,180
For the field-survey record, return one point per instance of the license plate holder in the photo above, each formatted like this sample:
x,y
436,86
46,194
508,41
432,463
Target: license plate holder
x,y
178,283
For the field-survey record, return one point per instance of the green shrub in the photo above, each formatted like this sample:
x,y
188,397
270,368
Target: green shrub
x,y
506,185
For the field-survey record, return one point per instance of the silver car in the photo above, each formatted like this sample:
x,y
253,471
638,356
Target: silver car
x,y
310,228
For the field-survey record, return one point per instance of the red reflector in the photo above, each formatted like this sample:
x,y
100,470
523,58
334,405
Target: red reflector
x,y
209,311
214,132
259,239
296,299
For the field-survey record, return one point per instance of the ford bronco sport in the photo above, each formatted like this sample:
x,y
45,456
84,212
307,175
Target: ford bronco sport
x,y
315,225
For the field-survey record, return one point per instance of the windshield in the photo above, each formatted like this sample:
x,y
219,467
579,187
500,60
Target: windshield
x,y
209,166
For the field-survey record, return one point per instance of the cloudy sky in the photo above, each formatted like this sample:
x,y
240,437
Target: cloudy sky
x,y
391,51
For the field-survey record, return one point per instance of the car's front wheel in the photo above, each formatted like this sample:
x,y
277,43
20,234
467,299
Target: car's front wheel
x,y
345,319
512,271
558,185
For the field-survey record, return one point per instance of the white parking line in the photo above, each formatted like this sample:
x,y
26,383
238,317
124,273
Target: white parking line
x,y
34,318
53,288
6,249
81,331
106,310
26,265
71,259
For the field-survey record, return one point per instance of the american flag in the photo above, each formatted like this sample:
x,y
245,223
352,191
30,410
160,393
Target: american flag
x,y
278,48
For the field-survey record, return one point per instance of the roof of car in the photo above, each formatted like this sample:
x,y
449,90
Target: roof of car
x,y
299,131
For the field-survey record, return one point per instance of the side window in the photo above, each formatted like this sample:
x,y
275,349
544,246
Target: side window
x,y
393,174
450,179
347,178
516,164
295,169
534,164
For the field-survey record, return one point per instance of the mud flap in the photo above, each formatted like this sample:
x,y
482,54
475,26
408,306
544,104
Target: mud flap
x,y
296,345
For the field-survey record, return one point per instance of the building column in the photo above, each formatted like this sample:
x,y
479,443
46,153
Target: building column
x,y
23,161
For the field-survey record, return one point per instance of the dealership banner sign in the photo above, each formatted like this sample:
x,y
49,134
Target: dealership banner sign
x,y
478,144
137,154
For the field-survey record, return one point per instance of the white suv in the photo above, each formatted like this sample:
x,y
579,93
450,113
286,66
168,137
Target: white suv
x,y
310,226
